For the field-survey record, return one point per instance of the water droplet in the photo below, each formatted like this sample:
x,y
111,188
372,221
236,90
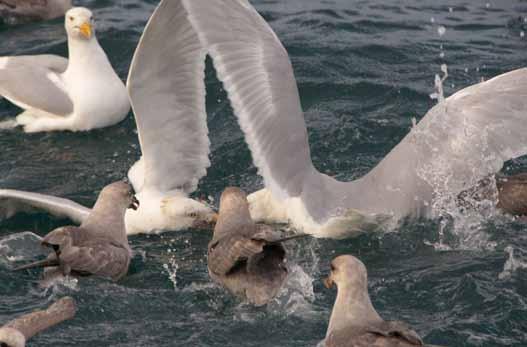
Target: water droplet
x,y
466,70
442,54
432,20
522,34
450,9
487,5
441,30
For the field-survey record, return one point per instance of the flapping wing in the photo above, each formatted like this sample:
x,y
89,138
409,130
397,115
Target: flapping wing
x,y
35,83
167,91
460,141
15,201
33,323
229,251
257,74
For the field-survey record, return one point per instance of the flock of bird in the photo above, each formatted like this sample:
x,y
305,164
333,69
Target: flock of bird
x,y
456,150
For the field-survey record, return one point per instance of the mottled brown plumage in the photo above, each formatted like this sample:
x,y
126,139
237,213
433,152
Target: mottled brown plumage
x,y
245,258
25,11
99,246
18,331
354,321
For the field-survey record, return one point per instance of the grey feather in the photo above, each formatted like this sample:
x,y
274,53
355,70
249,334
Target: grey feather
x,y
29,85
16,201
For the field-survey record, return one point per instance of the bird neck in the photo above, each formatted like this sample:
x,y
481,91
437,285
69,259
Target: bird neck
x,y
231,218
352,307
105,215
84,54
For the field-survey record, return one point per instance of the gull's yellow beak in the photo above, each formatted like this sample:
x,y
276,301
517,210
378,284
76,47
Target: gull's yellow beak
x,y
86,30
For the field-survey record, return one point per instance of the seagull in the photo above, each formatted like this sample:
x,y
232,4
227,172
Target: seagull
x,y
172,129
24,11
99,246
77,94
354,321
247,259
18,331
460,141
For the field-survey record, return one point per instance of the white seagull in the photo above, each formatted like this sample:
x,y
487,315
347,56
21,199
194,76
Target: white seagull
x,y
167,91
458,143
79,93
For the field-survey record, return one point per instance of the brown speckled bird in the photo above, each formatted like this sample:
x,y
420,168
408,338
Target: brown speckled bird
x,y
99,246
246,258
354,321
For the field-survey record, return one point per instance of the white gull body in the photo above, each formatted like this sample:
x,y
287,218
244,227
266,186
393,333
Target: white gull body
x,y
459,142
77,94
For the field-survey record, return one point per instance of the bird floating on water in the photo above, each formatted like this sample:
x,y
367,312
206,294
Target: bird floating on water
x,y
247,259
354,321
77,94
99,246
25,11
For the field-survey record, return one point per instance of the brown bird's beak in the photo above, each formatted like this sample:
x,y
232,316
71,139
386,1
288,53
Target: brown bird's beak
x,y
214,219
328,282
134,205
209,223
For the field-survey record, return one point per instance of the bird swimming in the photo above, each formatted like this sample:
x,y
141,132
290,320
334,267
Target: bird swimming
x,y
354,321
25,11
99,246
460,141
80,93
247,259
16,332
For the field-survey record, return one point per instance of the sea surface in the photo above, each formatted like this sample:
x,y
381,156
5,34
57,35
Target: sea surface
x,y
365,70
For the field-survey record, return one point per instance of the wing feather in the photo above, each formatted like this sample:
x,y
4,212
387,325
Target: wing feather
x,y
258,77
167,91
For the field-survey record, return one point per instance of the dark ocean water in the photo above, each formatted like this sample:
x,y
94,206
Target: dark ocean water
x,y
365,69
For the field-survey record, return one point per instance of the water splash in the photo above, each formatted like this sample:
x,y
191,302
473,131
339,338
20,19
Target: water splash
x,y
171,268
19,247
439,94
511,265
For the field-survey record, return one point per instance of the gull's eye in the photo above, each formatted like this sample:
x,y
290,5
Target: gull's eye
x,y
71,18
332,267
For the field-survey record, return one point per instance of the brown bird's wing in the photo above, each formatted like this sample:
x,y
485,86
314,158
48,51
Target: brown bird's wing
x,y
81,252
228,252
99,257
398,330
33,323
385,334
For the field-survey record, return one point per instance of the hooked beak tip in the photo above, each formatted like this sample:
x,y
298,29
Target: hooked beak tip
x,y
328,282
134,205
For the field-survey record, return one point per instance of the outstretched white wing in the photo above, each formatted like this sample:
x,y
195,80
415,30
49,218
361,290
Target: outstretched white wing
x,y
460,141
257,74
167,91
16,201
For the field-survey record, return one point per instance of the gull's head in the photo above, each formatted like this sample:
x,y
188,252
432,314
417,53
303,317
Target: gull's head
x,y
120,193
10,337
79,23
348,271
